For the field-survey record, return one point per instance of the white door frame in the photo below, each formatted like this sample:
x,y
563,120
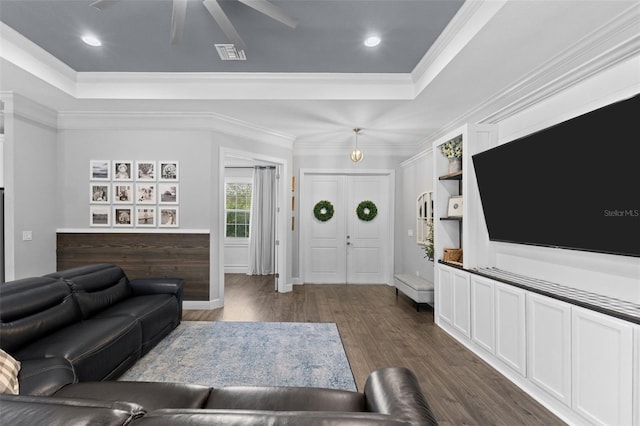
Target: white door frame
x,y
281,216
349,172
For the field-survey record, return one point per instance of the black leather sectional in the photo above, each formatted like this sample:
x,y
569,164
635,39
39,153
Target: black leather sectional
x,y
89,323
77,330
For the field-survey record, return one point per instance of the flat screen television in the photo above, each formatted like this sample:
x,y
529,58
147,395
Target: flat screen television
x,y
575,185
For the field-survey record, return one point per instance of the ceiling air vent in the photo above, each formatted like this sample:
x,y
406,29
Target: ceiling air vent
x,y
228,52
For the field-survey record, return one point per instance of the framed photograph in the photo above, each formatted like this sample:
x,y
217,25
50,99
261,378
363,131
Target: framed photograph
x,y
168,193
123,216
122,193
99,193
145,216
99,170
168,217
146,171
145,193
122,170
168,170
455,206
100,215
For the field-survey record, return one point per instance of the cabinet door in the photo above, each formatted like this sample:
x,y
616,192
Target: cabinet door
x,y
510,326
482,313
602,367
461,302
444,294
549,345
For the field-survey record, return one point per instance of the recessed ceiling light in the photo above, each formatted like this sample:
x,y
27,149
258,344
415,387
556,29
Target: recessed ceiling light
x,y
372,41
91,40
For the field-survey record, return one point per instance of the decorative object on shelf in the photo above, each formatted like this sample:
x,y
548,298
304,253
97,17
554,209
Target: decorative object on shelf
x,y
455,206
356,154
452,149
429,246
367,210
323,210
452,255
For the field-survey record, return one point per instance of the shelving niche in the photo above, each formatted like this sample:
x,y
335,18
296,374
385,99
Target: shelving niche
x,y
467,232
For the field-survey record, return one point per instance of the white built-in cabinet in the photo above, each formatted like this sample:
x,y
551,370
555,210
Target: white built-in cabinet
x,y
549,345
602,367
581,364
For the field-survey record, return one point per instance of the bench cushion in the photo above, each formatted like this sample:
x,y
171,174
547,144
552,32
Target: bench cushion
x,y
417,288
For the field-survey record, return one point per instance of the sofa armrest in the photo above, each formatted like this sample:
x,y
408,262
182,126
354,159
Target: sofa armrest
x,y
38,410
45,376
395,391
144,286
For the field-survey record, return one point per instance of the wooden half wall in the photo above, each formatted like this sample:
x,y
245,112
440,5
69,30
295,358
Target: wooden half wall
x,y
143,255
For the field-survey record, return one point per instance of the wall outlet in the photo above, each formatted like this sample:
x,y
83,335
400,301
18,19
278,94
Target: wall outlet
x,y
417,273
410,233
27,235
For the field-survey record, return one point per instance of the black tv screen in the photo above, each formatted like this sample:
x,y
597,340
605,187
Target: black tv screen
x,y
575,185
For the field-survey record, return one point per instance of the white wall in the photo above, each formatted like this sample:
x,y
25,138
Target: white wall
x,y
614,276
414,178
31,188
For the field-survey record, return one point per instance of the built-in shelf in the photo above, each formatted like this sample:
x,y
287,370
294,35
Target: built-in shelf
x,y
452,176
451,218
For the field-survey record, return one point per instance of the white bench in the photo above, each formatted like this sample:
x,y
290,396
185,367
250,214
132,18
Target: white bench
x,y
416,288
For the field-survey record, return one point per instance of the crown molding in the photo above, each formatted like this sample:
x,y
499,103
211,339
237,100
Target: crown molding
x,y
25,54
465,25
26,109
417,157
271,86
605,47
149,120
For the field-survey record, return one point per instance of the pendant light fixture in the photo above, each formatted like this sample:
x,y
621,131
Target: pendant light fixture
x,y
356,154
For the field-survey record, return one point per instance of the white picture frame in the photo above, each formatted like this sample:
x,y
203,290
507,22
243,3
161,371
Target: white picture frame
x,y
168,193
122,193
455,206
123,216
168,171
122,171
146,193
146,171
145,216
99,193
100,170
169,217
100,215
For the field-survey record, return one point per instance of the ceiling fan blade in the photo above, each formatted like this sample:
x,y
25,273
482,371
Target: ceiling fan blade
x,y
225,24
101,4
177,20
272,11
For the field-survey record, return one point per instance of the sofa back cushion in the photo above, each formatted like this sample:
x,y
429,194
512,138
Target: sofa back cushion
x,y
32,308
96,286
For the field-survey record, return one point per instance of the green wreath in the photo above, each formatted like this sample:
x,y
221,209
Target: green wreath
x,y
367,210
323,210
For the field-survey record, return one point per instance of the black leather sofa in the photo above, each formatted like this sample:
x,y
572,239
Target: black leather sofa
x,y
391,396
89,323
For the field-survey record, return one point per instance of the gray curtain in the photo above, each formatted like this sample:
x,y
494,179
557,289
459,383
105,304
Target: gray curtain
x,y
262,234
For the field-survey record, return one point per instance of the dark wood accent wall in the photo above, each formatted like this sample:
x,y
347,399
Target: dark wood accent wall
x,y
143,255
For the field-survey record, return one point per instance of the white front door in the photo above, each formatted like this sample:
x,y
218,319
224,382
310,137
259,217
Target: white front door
x,y
346,249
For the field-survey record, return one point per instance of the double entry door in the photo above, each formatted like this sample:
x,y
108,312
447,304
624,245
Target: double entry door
x,y
346,249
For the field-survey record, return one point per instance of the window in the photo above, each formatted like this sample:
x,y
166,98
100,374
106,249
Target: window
x,y
237,209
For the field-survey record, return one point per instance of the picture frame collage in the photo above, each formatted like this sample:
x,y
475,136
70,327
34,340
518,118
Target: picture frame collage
x,y
134,194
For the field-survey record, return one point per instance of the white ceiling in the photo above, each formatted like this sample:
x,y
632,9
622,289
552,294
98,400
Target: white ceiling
x,y
491,59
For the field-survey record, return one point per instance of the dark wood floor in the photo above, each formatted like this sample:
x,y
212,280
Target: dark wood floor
x,y
381,330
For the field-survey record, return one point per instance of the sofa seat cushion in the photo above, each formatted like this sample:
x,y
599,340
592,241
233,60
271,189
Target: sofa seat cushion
x,y
157,313
281,398
262,418
151,396
99,348
44,376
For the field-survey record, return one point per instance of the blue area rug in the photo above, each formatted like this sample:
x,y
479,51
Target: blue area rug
x,y
220,354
